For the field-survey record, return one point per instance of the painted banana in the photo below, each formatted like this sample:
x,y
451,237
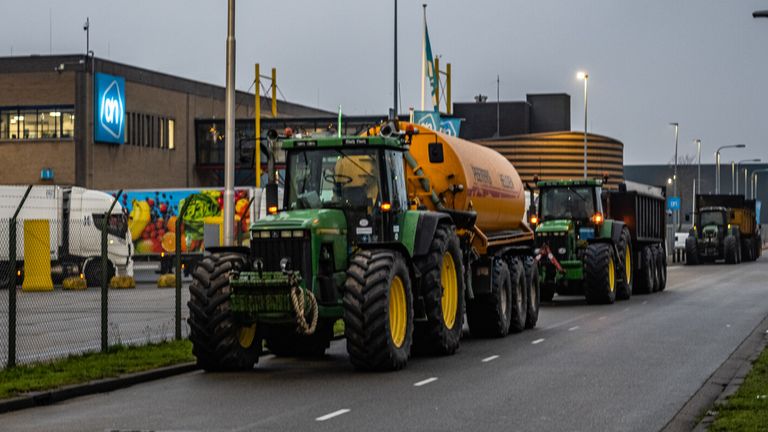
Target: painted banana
x,y
140,216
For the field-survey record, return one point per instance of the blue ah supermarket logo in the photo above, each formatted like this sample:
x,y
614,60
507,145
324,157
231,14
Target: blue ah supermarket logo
x,y
110,109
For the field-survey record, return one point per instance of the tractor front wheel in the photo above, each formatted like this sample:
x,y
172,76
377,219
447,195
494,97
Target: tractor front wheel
x,y
600,275
218,342
378,310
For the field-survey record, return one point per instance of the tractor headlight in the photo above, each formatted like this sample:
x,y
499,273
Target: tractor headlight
x,y
285,265
561,251
537,251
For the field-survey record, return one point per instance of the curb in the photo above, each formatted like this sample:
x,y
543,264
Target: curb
x,y
48,397
699,412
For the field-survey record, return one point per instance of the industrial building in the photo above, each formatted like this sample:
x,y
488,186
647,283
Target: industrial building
x,y
73,119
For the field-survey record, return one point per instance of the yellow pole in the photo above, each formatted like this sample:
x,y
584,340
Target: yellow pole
x,y
257,115
274,93
448,88
437,90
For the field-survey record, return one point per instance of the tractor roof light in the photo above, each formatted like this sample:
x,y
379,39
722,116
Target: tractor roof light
x,y
272,210
597,218
534,220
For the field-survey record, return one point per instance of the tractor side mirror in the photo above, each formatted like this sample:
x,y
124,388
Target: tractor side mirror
x,y
271,191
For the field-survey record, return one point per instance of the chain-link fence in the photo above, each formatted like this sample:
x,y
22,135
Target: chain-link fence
x,y
68,281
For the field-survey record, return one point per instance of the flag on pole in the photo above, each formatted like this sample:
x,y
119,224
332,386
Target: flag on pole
x,y
430,66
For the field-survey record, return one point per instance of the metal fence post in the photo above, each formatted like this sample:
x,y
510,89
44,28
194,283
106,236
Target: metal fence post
x,y
12,282
177,265
104,281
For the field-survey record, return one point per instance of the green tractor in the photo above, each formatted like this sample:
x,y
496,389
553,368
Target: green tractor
x,y
346,246
595,243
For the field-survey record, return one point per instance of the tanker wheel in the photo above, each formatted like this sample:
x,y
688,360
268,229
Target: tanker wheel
x,y
691,251
378,310
534,291
520,290
600,287
488,315
218,342
626,269
646,276
661,267
442,285
283,341
730,250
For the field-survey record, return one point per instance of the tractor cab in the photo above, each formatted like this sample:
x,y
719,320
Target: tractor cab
x,y
571,204
711,226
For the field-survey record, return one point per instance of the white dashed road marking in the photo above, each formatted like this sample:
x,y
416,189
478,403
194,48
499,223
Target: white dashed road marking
x,y
537,341
645,301
602,317
491,358
573,328
424,382
332,415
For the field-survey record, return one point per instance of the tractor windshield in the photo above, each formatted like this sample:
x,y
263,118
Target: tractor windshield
x,y
334,178
712,218
570,202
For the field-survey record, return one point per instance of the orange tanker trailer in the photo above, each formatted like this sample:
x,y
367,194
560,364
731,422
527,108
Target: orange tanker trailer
x,y
483,200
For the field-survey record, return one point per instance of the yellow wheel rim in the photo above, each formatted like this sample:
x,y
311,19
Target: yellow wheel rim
x,y
611,275
449,281
246,335
397,312
628,264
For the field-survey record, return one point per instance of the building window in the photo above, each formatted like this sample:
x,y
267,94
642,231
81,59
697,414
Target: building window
x,y
33,123
146,130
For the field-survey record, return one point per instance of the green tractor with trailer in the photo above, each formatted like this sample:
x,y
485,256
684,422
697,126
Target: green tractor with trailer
x,y
598,243
725,228
361,238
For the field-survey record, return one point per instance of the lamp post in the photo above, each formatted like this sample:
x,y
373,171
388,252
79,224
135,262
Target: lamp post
x,y
698,167
760,14
754,181
717,163
584,76
674,174
229,134
738,164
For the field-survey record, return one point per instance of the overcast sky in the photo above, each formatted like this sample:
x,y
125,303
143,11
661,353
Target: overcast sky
x,y
702,63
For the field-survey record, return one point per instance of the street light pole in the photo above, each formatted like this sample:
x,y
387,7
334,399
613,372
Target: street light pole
x,y
738,164
733,178
698,167
674,174
717,163
394,103
754,181
229,134
585,76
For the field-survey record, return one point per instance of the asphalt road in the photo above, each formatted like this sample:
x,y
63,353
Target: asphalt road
x,y
630,366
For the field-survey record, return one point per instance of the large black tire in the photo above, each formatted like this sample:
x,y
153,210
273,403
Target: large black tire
x,y
660,258
378,310
284,341
600,280
730,250
93,270
442,288
625,269
218,342
534,291
646,280
488,315
520,289
691,251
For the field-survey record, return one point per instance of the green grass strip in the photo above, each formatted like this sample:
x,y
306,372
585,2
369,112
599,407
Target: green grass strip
x,y
747,409
78,369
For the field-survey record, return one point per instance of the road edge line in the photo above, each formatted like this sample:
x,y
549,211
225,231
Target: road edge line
x,y
723,382
49,397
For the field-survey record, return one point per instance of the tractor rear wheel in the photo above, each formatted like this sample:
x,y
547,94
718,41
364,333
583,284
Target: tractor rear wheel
x,y
691,251
626,266
488,315
284,341
730,249
218,342
378,310
534,291
442,287
600,274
